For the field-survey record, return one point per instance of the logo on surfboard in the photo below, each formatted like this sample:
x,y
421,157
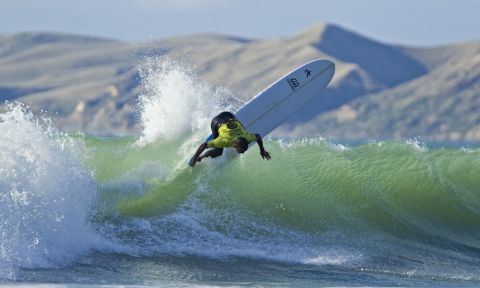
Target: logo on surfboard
x,y
293,82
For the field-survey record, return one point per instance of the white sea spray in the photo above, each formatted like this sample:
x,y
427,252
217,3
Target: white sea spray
x,y
46,194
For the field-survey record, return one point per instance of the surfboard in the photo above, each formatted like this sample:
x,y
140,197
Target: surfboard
x,y
279,101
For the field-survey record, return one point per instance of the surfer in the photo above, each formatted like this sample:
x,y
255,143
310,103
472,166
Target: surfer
x,y
227,131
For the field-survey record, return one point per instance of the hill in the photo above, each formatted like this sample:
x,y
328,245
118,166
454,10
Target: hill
x,y
379,90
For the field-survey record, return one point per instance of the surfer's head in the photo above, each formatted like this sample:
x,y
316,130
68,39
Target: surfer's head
x,y
241,145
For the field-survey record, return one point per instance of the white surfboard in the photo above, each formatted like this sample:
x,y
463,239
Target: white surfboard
x,y
274,105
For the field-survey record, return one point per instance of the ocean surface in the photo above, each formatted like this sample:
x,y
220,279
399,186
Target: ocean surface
x,y
78,210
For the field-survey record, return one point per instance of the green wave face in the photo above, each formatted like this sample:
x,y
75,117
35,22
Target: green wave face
x,y
312,185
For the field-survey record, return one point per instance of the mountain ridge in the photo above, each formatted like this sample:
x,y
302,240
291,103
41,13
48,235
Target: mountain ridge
x,y
91,83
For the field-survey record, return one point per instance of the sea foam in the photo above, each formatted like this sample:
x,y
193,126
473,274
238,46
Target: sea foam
x,y
46,194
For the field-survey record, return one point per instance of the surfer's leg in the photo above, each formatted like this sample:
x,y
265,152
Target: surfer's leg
x,y
215,152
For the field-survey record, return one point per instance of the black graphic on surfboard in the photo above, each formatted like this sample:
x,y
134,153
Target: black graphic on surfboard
x,y
293,82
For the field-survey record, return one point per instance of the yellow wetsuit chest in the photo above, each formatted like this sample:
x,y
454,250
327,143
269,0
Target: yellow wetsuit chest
x,y
228,133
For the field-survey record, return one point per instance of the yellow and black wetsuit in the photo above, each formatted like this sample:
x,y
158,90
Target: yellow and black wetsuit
x,y
228,133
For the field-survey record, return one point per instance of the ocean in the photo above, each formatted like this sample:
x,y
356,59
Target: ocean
x,y
78,210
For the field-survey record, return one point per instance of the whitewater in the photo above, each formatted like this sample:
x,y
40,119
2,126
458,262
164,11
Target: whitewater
x,y
77,209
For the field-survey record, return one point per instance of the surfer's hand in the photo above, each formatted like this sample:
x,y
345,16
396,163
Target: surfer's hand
x,y
192,162
265,154
196,158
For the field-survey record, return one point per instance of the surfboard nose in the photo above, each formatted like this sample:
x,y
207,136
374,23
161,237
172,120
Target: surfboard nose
x,y
271,107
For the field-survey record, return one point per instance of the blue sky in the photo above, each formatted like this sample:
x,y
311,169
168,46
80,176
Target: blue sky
x,y
411,22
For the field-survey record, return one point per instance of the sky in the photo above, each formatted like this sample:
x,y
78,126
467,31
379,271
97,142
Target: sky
x,y
407,22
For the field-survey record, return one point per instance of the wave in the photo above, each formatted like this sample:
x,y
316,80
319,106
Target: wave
x,y
382,206
315,202
312,184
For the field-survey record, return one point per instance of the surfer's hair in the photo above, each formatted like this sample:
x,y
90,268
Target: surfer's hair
x,y
241,144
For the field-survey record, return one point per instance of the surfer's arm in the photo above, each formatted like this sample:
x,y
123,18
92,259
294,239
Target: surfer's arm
x,y
210,153
196,157
264,153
